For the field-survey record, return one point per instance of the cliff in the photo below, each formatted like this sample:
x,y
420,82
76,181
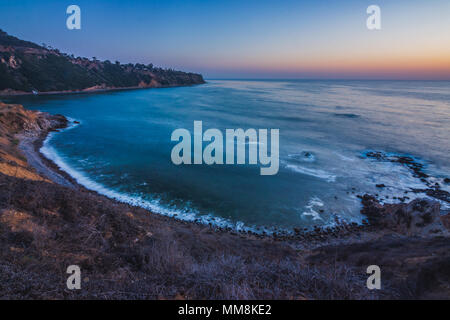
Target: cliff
x,y
26,67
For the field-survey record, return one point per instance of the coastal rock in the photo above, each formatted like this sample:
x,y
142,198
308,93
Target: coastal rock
x,y
16,119
435,193
419,217
407,161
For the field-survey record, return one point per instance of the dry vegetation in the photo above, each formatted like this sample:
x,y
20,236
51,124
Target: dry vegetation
x,y
128,253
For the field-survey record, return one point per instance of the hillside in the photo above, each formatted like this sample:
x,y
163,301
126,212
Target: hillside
x,y
126,252
26,66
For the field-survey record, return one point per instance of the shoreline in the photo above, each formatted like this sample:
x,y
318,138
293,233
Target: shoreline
x,y
13,93
128,252
30,145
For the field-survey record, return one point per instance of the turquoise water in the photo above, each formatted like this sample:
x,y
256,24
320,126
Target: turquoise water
x,y
122,146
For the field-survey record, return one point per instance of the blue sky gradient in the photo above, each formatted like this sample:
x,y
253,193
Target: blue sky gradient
x,y
248,39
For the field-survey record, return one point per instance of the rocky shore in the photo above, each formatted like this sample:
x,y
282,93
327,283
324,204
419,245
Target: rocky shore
x,y
48,222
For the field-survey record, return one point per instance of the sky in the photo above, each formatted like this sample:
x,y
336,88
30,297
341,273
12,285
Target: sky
x,y
246,38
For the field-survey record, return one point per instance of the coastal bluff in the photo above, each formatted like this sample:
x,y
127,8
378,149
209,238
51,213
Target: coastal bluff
x,y
27,68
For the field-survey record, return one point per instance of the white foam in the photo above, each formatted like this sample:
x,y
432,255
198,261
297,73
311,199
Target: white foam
x,y
313,202
154,205
318,173
345,158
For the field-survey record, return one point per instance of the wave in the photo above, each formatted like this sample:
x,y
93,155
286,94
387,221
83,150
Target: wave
x,y
344,158
318,173
399,179
186,214
313,202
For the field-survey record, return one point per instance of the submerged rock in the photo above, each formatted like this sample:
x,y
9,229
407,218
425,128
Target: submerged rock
x,y
411,163
435,193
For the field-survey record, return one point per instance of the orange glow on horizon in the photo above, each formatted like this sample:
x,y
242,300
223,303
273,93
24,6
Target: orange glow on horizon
x,y
427,66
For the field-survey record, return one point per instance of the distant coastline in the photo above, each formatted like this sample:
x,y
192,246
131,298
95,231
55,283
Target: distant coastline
x,y
9,92
28,68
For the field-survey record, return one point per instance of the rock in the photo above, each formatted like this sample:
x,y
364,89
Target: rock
x,y
435,193
418,217
381,185
414,166
439,194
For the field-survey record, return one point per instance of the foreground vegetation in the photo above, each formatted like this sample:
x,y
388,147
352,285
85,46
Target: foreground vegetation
x,y
126,252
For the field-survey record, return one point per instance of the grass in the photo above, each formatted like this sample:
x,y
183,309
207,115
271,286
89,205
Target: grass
x,y
128,253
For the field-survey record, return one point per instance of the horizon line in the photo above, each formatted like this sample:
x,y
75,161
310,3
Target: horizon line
x,y
322,79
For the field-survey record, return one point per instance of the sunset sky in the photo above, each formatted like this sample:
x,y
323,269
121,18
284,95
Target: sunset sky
x,y
249,39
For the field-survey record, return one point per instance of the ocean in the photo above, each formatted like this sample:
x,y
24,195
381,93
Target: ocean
x,y
122,147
